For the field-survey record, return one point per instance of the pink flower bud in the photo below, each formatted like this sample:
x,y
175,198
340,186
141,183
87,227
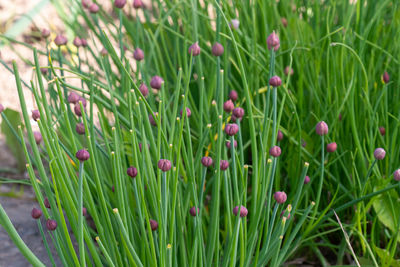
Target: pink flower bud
x,y
321,128
84,211
77,42
273,41
84,42
206,161
60,40
38,137
164,165
93,8
144,89
386,77
275,81
73,98
194,211
80,128
243,211
188,112
138,54
36,213
132,171
288,71
46,203
306,179
153,225
137,4
217,49
194,49
45,33
119,3
152,120
238,112
331,147
233,95
284,22
231,129
229,106
51,225
275,151
86,3
223,165
82,155
280,197
35,115
234,24
228,144
156,82
77,110
396,175
382,130
379,153
279,137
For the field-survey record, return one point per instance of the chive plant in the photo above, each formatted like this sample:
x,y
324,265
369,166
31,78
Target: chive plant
x,y
189,139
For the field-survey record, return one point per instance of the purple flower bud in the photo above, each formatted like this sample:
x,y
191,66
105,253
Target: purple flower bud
x,y
188,112
93,8
84,211
83,100
223,164
379,153
1,108
194,211
138,54
153,225
103,52
60,40
217,49
382,130
231,129
36,213
233,95
77,42
143,89
386,77
275,151
137,4
44,71
132,171
80,128
229,106
396,175
45,33
156,82
284,22
119,3
280,197
113,188
275,81
152,120
234,24
46,203
273,41
73,98
164,165
35,115
238,112
243,211
77,110
86,3
321,128
288,71
331,147
84,42
228,144
206,161
194,49
51,225
38,137
306,179
82,155
280,136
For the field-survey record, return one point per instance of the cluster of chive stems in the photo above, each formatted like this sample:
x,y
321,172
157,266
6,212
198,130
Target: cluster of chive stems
x,y
231,129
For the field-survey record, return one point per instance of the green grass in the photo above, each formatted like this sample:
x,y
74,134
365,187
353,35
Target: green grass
x,y
338,51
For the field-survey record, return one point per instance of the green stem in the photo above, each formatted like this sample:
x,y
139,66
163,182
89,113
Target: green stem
x,y
80,215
